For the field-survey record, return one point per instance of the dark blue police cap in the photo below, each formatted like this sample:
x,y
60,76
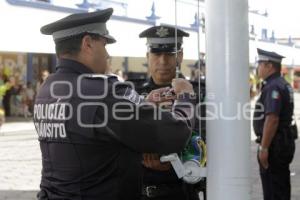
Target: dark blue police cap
x,y
79,23
268,56
162,39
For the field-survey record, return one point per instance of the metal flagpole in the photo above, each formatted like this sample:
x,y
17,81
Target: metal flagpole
x,y
228,141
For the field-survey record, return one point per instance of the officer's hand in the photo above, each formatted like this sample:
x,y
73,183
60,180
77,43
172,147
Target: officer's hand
x,y
152,161
181,85
160,95
263,159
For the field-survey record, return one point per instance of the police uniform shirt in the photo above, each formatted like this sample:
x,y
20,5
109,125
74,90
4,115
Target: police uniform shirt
x,y
83,161
276,98
89,150
151,176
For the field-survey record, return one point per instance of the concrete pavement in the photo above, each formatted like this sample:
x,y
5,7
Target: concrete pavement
x,y
20,162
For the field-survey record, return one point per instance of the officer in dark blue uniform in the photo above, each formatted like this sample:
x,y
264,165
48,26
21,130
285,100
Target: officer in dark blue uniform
x,y
93,129
160,180
272,124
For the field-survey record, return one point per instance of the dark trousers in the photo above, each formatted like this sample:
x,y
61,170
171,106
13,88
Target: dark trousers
x,y
275,179
276,183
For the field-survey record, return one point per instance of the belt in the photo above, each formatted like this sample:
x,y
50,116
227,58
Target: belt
x,y
152,191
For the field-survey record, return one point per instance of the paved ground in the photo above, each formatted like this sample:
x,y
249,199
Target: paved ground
x,y
20,163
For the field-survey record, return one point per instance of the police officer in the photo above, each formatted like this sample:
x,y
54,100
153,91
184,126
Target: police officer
x,y
160,180
92,129
272,122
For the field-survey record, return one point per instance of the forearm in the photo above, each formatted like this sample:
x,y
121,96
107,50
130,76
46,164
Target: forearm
x,y
269,131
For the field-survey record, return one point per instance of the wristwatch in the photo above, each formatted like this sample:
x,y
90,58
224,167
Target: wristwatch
x,y
262,149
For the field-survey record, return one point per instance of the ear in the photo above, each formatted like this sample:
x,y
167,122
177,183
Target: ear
x,y
86,43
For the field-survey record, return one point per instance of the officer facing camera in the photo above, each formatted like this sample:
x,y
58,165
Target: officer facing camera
x,y
164,57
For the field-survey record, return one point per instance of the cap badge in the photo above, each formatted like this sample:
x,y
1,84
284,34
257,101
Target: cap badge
x,y
162,32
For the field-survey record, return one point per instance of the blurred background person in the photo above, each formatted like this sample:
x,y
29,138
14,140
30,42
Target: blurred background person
x,y
30,94
43,77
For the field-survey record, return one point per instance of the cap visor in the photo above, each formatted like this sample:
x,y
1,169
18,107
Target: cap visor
x,y
110,39
158,50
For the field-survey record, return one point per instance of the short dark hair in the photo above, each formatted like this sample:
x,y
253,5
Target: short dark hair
x,y
72,45
276,65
